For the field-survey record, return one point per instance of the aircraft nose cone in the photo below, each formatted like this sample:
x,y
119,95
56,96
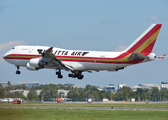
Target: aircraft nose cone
x,y
4,56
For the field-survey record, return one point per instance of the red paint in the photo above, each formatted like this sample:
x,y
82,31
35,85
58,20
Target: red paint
x,y
76,58
148,49
144,38
15,102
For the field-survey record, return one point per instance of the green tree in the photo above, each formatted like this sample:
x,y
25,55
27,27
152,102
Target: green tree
x,y
9,84
81,94
155,94
20,86
68,87
96,94
89,93
74,94
102,95
19,94
50,94
108,94
125,93
164,94
2,90
32,95
47,95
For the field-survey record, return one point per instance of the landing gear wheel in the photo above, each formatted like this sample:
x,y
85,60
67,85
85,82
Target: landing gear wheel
x,y
60,76
72,76
77,75
80,77
18,72
58,73
69,75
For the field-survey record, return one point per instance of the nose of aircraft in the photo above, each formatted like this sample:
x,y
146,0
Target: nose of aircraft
x,y
4,56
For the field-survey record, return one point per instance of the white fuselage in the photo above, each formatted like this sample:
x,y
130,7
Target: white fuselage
x,y
78,59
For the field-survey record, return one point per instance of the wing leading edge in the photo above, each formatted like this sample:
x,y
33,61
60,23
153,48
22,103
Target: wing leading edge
x,y
50,58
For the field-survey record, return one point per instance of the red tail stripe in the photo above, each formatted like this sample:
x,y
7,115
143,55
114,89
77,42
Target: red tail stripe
x,y
144,38
74,59
148,49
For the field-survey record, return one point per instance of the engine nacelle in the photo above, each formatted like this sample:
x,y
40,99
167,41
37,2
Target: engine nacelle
x,y
152,56
30,67
37,63
34,62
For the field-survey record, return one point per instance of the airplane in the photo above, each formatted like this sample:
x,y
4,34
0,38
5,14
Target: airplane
x,y
78,61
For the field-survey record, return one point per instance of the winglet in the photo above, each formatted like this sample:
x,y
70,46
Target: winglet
x,y
49,50
48,53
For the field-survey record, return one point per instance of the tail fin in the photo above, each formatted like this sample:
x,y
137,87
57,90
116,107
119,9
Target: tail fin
x,y
145,42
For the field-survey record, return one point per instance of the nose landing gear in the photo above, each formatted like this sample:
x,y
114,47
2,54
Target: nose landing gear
x,y
18,72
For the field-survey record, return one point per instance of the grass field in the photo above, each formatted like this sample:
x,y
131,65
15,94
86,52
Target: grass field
x,y
83,114
80,114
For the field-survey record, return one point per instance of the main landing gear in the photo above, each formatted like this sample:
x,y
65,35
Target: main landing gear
x,y
76,75
18,72
58,73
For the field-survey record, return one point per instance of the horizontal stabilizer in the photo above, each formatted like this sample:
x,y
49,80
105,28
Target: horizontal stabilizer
x,y
161,57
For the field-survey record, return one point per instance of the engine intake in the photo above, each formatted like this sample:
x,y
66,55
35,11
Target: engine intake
x,y
42,63
36,62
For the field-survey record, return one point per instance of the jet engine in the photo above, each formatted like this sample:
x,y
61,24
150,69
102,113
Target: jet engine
x,y
152,56
30,67
36,62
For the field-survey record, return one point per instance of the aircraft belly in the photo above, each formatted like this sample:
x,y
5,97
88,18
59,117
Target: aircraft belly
x,y
18,62
76,65
103,66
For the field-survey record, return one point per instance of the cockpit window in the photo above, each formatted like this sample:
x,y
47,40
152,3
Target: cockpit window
x,y
13,48
39,51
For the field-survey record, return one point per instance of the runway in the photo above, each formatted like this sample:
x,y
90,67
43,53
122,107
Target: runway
x,y
89,108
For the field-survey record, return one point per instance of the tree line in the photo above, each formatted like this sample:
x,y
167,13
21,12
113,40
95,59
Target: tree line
x,y
50,92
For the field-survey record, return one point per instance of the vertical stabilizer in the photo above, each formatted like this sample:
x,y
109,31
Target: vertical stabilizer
x,y
145,42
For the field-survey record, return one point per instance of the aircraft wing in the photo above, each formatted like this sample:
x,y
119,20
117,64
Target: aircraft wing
x,y
52,61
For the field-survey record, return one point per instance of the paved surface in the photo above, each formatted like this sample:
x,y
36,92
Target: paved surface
x,y
98,108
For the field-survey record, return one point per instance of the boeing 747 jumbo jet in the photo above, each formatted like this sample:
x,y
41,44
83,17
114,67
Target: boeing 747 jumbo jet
x,y
78,61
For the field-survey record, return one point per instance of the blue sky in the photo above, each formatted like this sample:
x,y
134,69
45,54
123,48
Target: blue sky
x,y
103,25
